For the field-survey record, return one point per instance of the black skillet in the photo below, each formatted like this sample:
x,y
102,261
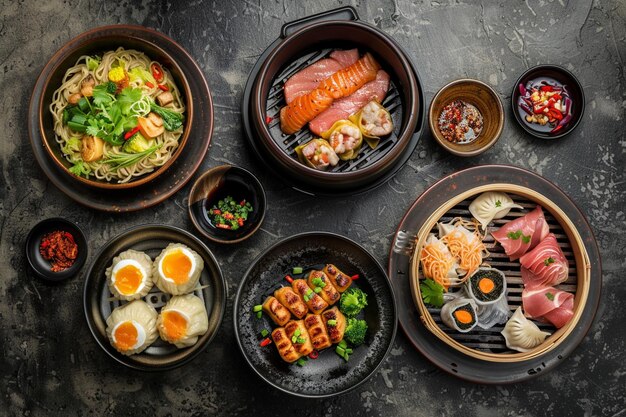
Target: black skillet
x,y
328,375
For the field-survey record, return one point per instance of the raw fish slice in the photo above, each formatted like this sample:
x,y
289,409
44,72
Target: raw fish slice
x,y
545,265
346,81
303,109
521,235
307,80
549,303
344,107
559,317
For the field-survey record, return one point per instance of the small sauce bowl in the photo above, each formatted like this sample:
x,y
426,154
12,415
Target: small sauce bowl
x,y
42,267
481,96
217,184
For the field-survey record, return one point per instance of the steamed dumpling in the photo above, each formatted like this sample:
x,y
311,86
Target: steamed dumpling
x,y
131,328
522,334
491,205
459,314
177,269
130,275
182,320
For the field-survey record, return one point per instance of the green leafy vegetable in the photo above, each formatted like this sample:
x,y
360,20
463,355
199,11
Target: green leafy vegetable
x,y
355,331
352,302
72,145
80,168
171,119
432,292
142,74
137,143
93,62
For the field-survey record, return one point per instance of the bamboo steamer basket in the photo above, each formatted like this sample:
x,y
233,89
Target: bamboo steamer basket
x,y
578,282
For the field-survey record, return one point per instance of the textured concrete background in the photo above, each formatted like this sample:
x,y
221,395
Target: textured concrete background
x,y
49,363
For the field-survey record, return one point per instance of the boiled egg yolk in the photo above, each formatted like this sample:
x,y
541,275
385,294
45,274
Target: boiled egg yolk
x,y
174,324
177,266
128,277
127,335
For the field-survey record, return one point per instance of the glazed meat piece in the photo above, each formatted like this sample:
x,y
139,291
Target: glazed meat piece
x,y
276,311
340,280
315,303
318,279
284,345
335,323
317,331
287,297
297,333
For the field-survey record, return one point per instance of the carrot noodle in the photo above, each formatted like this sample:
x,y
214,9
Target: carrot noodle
x,y
435,264
469,254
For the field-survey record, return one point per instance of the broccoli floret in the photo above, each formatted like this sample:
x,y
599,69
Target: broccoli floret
x,y
352,302
355,331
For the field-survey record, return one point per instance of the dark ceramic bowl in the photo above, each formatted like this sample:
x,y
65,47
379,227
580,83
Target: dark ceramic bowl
x,y
485,99
218,183
328,375
98,302
551,74
98,41
304,42
41,266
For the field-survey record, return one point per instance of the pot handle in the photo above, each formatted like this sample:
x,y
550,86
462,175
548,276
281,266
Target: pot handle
x,y
341,13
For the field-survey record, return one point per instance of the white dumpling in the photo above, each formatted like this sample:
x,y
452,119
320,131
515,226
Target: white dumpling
x,y
177,269
182,320
131,328
522,334
448,314
491,205
130,275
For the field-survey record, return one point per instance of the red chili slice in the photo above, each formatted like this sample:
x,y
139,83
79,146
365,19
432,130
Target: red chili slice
x,y
314,354
157,72
355,276
163,87
289,279
265,342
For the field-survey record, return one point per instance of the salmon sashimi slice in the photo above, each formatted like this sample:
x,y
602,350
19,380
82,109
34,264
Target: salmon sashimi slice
x,y
307,80
344,107
303,109
346,81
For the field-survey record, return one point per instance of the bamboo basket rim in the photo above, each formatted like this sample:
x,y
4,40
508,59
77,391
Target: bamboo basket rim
x,y
582,270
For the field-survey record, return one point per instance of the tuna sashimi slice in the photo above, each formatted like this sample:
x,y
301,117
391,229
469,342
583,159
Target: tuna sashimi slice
x,y
521,235
560,316
306,80
344,107
545,265
541,303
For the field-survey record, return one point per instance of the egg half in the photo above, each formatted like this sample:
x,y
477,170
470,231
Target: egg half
x,y
177,269
182,320
131,328
130,275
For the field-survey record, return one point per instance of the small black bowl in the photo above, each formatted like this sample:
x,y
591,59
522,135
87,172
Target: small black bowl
x,y
218,183
41,266
550,73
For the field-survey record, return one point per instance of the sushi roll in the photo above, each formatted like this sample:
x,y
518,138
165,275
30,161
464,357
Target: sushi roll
x,y
486,286
460,314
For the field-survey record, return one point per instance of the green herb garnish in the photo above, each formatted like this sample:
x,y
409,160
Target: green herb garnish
x,y
498,203
301,362
331,323
550,296
548,261
432,292
228,214
257,308
516,235
297,270
264,333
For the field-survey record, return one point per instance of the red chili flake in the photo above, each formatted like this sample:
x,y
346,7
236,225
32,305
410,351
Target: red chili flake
x,y
163,87
268,120
223,226
149,84
242,203
228,216
60,249
216,211
355,276
314,354
265,342
240,221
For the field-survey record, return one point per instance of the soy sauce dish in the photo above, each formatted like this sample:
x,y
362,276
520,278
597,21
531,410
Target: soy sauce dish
x,y
56,249
548,101
227,204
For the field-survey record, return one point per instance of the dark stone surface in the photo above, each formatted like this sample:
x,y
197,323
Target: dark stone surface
x,y
52,366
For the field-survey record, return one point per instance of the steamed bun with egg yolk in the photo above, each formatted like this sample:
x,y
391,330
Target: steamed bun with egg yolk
x,y
130,275
182,320
132,327
177,269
